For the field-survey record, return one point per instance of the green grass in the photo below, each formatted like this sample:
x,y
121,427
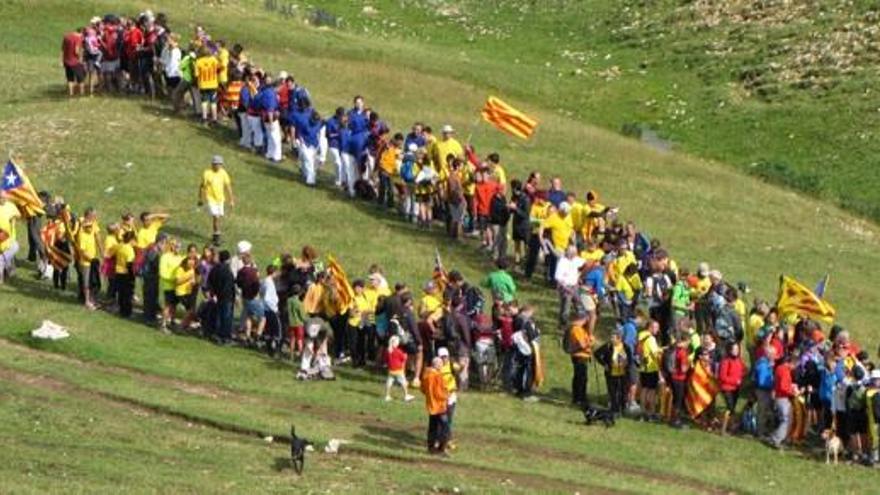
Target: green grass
x,y
700,209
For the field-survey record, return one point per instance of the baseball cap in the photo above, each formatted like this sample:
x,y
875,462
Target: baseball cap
x,y
283,75
564,206
244,247
217,160
447,129
443,352
703,269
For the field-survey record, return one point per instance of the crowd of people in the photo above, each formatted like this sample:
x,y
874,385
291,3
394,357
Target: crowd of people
x,y
680,338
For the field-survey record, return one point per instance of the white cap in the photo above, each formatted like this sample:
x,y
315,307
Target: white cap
x,y
95,20
413,147
244,247
282,75
703,268
443,352
447,129
564,206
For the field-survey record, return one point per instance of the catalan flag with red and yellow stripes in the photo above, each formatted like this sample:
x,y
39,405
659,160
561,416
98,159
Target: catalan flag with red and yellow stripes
x,y
16,186
796,299
508,119
344,290
701,391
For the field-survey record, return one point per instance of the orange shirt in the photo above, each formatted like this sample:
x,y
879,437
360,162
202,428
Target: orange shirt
x,y
435,391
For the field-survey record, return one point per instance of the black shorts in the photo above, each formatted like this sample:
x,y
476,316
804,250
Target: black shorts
x,y
208,95
858,422
170,298
75,73
730,399
188,301
649,380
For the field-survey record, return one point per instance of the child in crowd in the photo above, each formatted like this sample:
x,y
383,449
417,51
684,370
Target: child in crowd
x,y
395,359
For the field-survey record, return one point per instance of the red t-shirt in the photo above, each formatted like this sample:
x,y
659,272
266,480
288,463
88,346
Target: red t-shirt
x,y
681,364
109,42
483,197
731,373
133,38
782,381
70,48
283,95
396,359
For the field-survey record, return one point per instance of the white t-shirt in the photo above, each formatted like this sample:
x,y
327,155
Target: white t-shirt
x,y
568,270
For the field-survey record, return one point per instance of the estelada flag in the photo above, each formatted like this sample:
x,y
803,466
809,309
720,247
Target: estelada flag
x,y
16,186
796,299
702,389
508,119
344,290
439,274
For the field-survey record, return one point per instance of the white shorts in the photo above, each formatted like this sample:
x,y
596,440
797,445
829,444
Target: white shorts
x,y
110,65
215,209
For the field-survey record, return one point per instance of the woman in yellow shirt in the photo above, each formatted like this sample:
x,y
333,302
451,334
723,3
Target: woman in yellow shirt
x,y
124,273
185,292
361,324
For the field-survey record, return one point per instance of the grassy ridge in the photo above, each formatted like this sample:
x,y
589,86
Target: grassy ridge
x,y
701,209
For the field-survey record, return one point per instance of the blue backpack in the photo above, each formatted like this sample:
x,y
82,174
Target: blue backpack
x,y
763,374
407,168
749,423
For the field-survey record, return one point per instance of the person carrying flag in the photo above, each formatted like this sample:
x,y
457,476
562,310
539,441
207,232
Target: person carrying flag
x,y
9,215
214,188
17,198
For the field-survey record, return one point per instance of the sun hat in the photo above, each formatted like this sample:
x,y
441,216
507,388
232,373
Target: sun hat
x,y
217,160
244,247
703,269
447,129
283,75
443,352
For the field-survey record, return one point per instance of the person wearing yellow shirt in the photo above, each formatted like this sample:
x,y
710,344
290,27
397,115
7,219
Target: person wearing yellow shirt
x,y
561,235
496,170
442,148
111,242
185,292
649,352
88,249
449,370
592,251
389,163
9,214
627,288
150,225
207,71
169,261
431,308
213,190
577,218
124,273
223,62
538,212
593,215
361,324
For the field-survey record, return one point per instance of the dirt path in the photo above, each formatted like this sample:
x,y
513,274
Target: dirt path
x,y
215,392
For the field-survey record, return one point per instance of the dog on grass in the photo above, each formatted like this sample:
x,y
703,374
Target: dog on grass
x,y
593,415
298,450
833,446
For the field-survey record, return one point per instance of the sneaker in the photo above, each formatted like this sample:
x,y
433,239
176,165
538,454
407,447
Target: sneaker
x,y
408,398
387,398
531,398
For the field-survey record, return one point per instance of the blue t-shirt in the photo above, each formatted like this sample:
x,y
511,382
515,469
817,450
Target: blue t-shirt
x,y
299,119
268,99
419,141
298,94
358,121
244,98
630,333
595,279
310,132
334,134
556,197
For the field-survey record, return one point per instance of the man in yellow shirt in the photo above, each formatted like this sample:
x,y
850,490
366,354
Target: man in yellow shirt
x,y
169,261
150,225
431,307
8,244
649,353
496,171
213,189
561,234
223,61
88,243
445,146
389,162
124,273
207,71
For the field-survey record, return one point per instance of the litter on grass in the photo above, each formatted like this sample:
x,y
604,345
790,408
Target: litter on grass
x,y
333,445
50,331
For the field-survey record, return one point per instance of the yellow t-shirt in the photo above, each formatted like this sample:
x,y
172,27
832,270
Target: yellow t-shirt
x,y
110,245
443,148
388,160
577,215
223,59
207,70
619,264
360,306
756,321
537,215
87,243
431,305
593,255
168,265
448,373
124,256
588,225
650,352
499,174
215,184
8,214
147,234
561,230
184,280
618,359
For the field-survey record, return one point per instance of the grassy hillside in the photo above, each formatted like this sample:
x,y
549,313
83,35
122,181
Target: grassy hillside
x,y
144,390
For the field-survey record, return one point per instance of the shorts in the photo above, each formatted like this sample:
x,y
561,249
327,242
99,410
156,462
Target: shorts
x,y
253,308
110,66
208,95
632,373
398,377
92,63
423,198
170,298
215,209
482,222
730,399
858,422
649,380
75,74
188,301
584,304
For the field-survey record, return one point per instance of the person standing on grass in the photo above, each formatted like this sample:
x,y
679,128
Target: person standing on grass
x,y
87,238
561,229
9,215
124,270
525,338
731,373
520,206
333,133
71,59
784,389
436,397
207,69
499,218
150,276
579,345
270,113
214,188
221,284
170,59
678,377
648,352
395,361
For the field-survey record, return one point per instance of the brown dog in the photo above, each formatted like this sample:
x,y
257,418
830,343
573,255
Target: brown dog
x,y
833,446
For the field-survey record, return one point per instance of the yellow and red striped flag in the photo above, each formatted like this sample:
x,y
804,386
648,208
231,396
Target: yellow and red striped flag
x,y
508,119
16,186
344,290
702,389
796,299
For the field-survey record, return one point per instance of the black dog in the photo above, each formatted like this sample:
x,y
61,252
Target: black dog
x,y
298,450
592,415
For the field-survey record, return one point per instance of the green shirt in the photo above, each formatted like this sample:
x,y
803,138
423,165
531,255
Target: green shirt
x,y
681,297
502,285
295,310
187,64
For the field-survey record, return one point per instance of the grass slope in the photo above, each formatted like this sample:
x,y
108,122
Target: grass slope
x,y
703,210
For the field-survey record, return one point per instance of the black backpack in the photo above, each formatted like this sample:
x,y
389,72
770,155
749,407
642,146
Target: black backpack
x,y
499,214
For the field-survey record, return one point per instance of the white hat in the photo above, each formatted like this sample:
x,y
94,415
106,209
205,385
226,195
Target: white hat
x,y
703,268
447,129
875,374
282,75
95,20
413,147
443,352
564,206
244,247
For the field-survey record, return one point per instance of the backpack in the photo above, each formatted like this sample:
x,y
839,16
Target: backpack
x,y
856,399
499,214
763,374
407,168
473,301
749,422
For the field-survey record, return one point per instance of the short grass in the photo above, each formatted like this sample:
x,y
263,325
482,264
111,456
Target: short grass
x,y
701,209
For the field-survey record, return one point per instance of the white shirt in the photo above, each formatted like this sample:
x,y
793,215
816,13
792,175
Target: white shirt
x,y
568,270
269,294
171,61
